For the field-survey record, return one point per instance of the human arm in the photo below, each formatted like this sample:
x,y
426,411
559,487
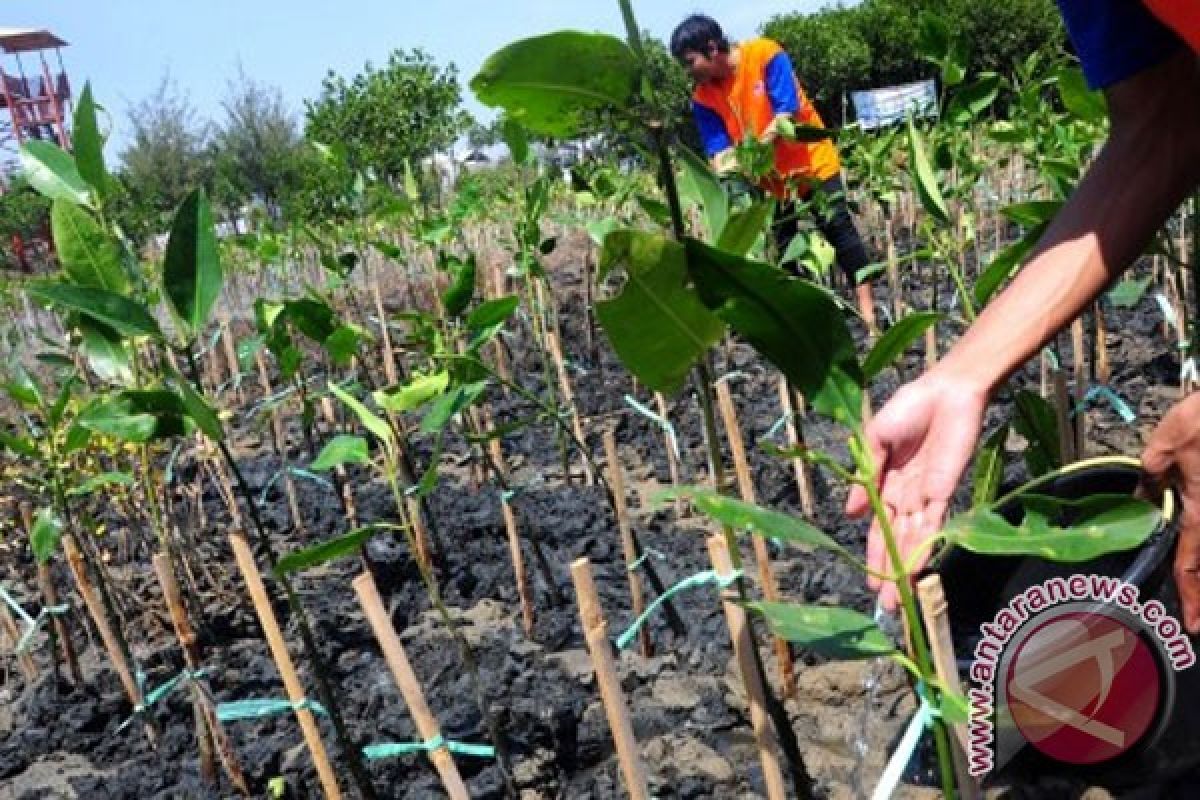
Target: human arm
x,y
779,80
924,437
718,144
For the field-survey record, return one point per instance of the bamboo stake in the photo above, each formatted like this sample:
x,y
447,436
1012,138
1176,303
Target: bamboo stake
x,y
935,615
406,679
564,382
1062,412
209,731
13,632
279,440
595,632
518,559
931,354
1079,352
1103,368
283,660
235,368
670,444
389,356
616,481
766,576
96,609
743,644
61,633
803,482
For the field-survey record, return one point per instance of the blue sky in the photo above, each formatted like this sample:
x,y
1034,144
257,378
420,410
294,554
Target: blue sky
x,y
125,46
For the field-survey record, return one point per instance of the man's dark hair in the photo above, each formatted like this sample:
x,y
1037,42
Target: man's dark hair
x,y
694,34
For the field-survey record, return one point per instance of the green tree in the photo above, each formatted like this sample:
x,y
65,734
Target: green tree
x,y
23,213
386,117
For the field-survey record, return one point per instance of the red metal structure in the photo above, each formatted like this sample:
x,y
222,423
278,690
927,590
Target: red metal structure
x,y
34,104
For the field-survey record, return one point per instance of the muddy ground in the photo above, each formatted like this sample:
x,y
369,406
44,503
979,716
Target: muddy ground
x,y
687,703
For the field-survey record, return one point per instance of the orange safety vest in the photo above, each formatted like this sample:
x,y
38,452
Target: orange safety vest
x,y
1181,16
742,103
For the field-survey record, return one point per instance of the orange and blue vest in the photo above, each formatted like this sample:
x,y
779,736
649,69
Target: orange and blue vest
x,y
1116,39
763,86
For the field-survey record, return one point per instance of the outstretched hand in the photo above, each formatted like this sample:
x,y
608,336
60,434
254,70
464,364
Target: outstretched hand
x,y
1173,456
921,441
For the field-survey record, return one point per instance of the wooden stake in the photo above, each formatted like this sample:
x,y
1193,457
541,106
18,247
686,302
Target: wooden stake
x,y
564,382
406,679
1103,369
616,481
209,730
279,441
389,357
518,559
1079,352
283,660
672,456
931,354
766,576
935,614
795,440
1062,413
62,633
9,625
595,632
96,609
743,645
235,368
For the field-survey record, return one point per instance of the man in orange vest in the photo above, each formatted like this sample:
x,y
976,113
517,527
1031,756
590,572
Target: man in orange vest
x,y
1143,55
750,89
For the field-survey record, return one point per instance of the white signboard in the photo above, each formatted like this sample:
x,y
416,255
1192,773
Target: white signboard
x,y
874,108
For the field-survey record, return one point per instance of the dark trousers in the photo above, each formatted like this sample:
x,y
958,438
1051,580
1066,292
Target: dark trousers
x,y
833,220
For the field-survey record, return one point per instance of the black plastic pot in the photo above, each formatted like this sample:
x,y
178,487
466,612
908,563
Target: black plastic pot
x,y
978,587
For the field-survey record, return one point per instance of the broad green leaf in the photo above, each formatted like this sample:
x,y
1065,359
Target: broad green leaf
x,y
1081,101
22,388
414,394
123,315
657,324
759,521
489,318
137,416
830,631
314,318
342,449
89,254
1033,213
458,296
897,339
954,708
1034,419
599,229
989,468
745,227
368,418
797,248
88,144
52,172
973,99
200,412
1128,293
342,345
324,552
924,178
19,445
101,481
106,354
452,402
192,268
699,184
933,37
549,83
76,439
45,536
1005,264
517,140
1117,524
794,324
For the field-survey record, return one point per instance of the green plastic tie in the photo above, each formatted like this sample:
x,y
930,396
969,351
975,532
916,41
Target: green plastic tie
x,y
1115,400
259,707
646,553
661,422
921,722
157,695
706,578
778,426
375,752
32,624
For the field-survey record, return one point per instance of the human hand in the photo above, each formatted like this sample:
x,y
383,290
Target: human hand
x,y
921,441
1173,456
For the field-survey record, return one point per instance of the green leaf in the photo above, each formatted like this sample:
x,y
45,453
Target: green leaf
x,y
1005,264
314,318
414,394
700,185
759,521
192,268
22,388
324,552
924,178
1081,101
1106,524
516,139
1033,213
342,345
489,318
45,536
201,413
19,445
933,37
89,254
657,325
458,296
52,172
830,631
369,419
136,416
1128,293
123,315
794,324
449,404
549,83
1034,419
106,354
989,468
973,99
76,439
897,339
88,144
101,481
954,708
342,449
745,227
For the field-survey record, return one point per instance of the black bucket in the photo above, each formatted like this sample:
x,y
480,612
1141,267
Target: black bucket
x,y
978,587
